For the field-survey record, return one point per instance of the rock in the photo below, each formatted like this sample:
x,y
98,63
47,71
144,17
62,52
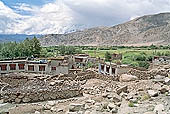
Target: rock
x,y
76,107
51,103
37,112
149,112
112,108
91,102
17,100
159,109
60,110
53,109
159,77
104,105
122,89
152,93
104,95
127,78
52,83
167,81
26,100
163,89
116,98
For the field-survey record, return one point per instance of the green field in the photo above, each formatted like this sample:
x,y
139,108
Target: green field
x,y
101,53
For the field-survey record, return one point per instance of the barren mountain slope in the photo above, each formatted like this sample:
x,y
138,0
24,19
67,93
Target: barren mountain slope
x,y
146,30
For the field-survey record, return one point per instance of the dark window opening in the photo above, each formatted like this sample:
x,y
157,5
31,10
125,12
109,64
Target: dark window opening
x,y
53,68
41,68
113,70
30,67
107,69
3,67
102,67
12,66
21,66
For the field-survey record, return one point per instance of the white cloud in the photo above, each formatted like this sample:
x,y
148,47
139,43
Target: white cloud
x,y
63,15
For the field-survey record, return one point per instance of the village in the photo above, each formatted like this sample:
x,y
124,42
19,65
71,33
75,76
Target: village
x,y
69,85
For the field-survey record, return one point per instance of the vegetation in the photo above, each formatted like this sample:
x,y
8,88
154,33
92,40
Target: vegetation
x,y
27,48
134,56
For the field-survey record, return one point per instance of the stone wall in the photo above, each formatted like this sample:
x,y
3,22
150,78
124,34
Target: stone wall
x,y
144,75
21,89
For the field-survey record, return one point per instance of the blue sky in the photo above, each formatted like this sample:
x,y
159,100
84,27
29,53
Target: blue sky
x,y
61,16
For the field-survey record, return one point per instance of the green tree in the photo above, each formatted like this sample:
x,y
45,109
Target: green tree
x,y
108,57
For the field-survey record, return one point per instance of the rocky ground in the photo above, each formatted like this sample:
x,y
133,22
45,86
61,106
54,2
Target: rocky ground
x,y
130,95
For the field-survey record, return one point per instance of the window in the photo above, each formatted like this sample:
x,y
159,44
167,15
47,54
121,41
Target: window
x,y
41,68
30,67
3,67
53,68
12,66
21,66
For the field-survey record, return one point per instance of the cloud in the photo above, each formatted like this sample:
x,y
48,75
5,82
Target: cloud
x,y
61,16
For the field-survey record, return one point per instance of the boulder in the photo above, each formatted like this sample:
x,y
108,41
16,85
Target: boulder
x,y
26,100
112,108
17,100
122,89
127,78
76,107
152,93
159,109
167,81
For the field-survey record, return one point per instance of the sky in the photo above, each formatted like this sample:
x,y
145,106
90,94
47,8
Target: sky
x,y
62,16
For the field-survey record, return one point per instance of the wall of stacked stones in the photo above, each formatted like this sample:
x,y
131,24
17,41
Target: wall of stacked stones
x,y
144,75
21,89
87,75
17,97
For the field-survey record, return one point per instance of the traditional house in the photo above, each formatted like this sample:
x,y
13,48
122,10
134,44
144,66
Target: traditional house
x,y
161,60
108,68
46,66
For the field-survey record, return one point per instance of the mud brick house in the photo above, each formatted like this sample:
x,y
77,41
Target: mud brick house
x,y
115,56
81,60
161,60
113,69
54,66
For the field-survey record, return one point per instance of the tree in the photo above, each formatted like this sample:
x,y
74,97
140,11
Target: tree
x,y
108,57
35,47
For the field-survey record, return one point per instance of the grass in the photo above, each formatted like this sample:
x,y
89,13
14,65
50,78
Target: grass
x,y
131,104
101,53
145,97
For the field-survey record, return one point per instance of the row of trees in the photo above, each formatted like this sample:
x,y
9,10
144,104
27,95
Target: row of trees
x,y
27,48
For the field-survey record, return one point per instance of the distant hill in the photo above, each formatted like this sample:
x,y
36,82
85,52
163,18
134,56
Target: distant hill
x,y
15,37
146,30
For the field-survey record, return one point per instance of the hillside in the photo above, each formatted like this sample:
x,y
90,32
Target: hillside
x,y
146,30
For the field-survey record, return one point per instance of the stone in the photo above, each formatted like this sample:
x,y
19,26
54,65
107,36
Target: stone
x,y
17,100
167,81
159,109
122,89
116,98
127,78
152,93
151,112
76,107
51,103
91,102
26,100
163,89
52,83
53,109
37,112
112,107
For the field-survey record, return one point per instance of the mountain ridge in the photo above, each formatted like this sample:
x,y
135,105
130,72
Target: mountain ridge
x,y
145,30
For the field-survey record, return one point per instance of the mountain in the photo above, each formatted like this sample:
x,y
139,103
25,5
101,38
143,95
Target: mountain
x,y
145,30
15,37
